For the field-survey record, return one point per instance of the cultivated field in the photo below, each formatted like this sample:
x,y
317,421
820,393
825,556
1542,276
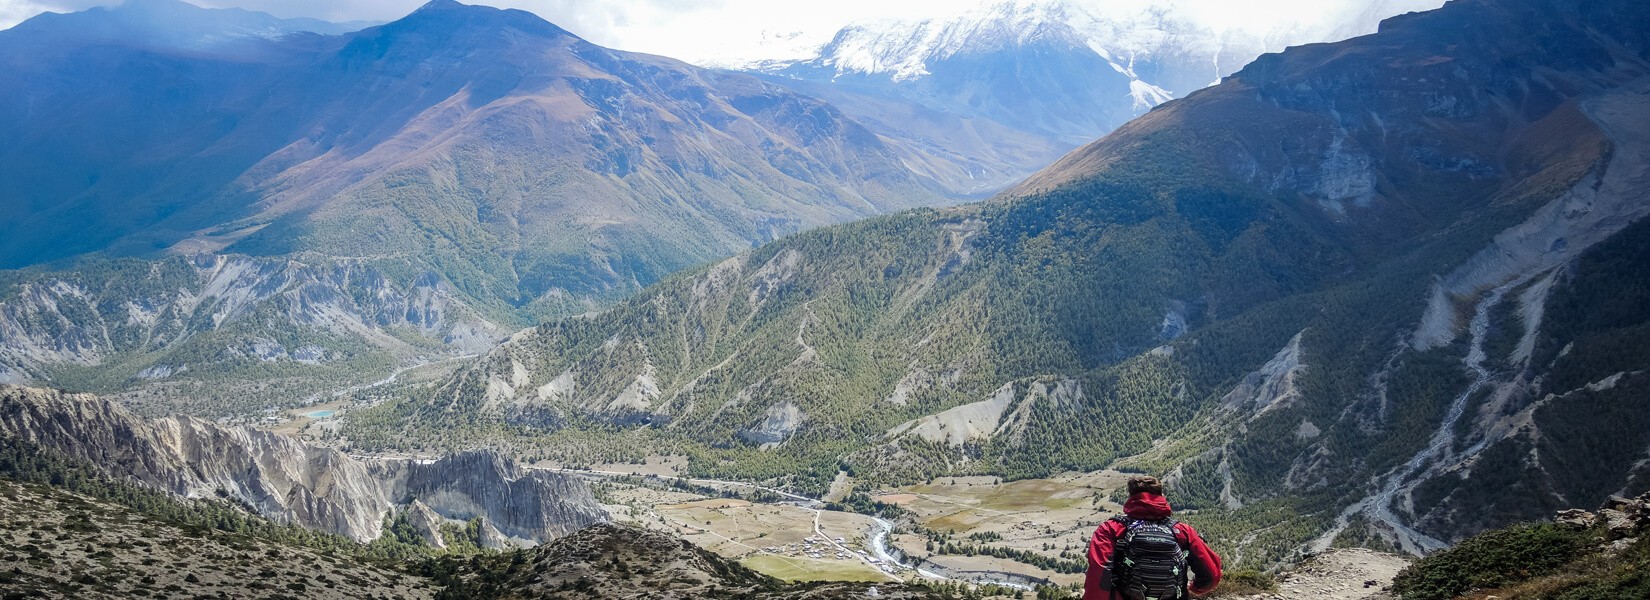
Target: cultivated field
x,y
783,540
1045,516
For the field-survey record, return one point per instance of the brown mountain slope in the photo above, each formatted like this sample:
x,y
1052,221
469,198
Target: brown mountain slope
x,y
512,156
405,192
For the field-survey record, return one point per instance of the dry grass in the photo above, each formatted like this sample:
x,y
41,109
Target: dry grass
x,y
807,569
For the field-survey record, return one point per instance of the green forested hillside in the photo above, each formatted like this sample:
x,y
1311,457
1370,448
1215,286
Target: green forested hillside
x,y
230,336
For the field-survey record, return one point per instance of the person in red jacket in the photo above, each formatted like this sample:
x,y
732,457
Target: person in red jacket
x,y
1146,503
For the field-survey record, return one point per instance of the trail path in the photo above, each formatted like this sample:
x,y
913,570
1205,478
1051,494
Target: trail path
x,y
1343,574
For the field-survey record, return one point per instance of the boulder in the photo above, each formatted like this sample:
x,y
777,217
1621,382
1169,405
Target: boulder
x,y
1621,517
1577,518
1617,523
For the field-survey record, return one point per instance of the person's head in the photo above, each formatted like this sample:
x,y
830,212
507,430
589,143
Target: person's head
x,y
1145,484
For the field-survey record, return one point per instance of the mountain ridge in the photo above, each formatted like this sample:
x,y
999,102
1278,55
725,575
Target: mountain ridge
x,y
1015,85
179,25
290,482
529,172
545,63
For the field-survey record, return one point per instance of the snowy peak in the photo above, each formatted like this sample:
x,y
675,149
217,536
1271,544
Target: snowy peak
x,y
1131,43
1166,48
903,49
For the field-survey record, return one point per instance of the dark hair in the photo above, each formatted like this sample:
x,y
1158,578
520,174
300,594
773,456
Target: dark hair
x,y
1145,484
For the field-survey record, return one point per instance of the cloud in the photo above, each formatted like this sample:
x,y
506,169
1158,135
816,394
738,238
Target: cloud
x,y
706,30
689,29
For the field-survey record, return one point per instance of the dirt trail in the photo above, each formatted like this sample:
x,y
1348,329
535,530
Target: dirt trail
x,y
1344,574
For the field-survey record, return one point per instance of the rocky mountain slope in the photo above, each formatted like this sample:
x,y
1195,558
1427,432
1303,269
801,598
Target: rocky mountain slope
x,y
290,482
1007,87
230,335
1359,285
482,159
1339,574
453,127
63,545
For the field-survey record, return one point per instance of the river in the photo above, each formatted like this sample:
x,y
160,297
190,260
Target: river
x,y
387,380
1378,507
877,539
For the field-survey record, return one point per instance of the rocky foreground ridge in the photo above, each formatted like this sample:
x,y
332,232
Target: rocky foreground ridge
x,y
291,482
617,561
58,544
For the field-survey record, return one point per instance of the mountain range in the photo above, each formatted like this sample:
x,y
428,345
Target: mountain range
x,y
218,211
1386,291
443,129
1008,87
1380,288
478,159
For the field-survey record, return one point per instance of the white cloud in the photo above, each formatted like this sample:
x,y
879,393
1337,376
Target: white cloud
x,y
699,30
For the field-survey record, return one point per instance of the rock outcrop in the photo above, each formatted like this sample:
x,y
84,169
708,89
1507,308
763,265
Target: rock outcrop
x,y
286,480
527,507
1621,518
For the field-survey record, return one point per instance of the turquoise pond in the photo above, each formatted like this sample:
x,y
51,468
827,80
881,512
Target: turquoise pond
x,y
320,414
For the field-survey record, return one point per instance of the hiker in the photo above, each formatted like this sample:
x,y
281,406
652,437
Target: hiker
x,y
1145,555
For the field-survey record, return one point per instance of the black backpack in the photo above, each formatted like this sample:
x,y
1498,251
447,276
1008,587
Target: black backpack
x,y
1150,564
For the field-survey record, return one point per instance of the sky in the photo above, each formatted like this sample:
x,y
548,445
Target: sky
x,y
708,31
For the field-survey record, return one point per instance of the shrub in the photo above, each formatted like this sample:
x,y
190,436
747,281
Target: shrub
x,y
1491,560
1245,582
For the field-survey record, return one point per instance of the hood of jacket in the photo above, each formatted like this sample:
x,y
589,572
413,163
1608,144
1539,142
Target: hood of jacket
x,y
1147,506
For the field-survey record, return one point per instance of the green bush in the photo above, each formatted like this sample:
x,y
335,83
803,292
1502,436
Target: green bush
x,y
1246,581
1492,560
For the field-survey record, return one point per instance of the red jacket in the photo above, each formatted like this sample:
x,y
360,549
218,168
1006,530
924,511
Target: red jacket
x,y
1204,563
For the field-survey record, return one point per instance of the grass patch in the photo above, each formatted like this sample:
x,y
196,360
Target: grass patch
x,y
804,569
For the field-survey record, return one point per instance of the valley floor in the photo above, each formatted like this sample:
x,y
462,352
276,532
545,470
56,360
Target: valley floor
x,y
965,528
972,529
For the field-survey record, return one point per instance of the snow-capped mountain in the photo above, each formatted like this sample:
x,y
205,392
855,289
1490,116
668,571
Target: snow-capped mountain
x,y
1058,72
